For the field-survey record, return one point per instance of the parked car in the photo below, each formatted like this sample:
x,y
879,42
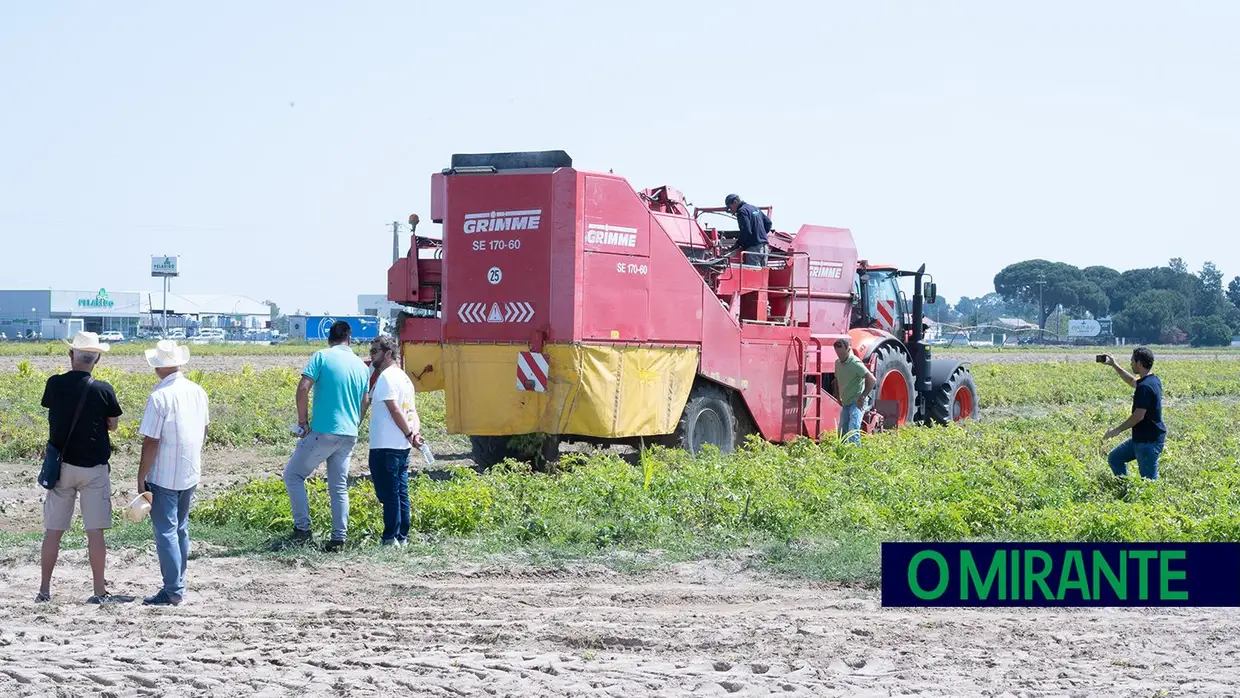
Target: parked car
x,y
209,334
111,336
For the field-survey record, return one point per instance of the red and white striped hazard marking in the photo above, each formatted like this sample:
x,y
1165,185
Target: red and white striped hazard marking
x,y
887,314
532,371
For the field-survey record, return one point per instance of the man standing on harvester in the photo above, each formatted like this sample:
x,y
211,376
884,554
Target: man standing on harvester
x,y
754,225
853,382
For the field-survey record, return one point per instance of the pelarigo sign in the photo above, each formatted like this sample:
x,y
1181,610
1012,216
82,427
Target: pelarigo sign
x,y
163,266
1060,574
95,303
100,300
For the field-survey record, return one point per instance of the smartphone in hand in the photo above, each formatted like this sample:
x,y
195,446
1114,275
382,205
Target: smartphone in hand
x,y
1101,358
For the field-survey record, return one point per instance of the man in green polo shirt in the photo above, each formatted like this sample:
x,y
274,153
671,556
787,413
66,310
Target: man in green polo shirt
x,y
853,382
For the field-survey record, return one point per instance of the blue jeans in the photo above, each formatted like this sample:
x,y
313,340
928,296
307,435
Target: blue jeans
x,y
313,449
170,522
850,421
389,471
1145,454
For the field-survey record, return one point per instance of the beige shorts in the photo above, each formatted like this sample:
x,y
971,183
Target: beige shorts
x,y
95,486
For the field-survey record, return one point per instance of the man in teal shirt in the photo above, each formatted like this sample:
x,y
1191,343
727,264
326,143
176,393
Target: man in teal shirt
x,y
853,382
341,391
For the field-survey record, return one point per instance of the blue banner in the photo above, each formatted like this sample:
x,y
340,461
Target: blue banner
x,y
1061,574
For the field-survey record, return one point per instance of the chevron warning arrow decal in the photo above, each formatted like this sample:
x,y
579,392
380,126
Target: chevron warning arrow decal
x,y
472,312
511,312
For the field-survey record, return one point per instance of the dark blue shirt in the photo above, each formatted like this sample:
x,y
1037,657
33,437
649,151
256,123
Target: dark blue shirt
x,y
754,225
1148,396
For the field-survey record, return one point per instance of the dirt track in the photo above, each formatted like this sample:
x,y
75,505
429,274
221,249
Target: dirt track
x,y
358,628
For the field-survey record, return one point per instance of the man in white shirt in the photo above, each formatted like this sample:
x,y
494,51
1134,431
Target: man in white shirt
x,y
174,429
394,430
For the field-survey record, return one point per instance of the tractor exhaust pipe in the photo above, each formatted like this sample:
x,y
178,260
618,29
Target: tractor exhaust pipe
x,y
918,347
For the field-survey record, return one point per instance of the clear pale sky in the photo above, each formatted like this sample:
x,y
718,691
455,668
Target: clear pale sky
x,y
270,144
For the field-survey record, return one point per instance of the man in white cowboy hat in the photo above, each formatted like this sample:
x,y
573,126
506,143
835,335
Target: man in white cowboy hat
x,y
85,449
174,429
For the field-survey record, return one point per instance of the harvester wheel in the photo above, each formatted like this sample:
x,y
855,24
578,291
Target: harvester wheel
x,y
955,400
893,373
489,451
707,419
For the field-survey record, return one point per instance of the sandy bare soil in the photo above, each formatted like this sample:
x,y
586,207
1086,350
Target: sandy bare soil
x,y
357,627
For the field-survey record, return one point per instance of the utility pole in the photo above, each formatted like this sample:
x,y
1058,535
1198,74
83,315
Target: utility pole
x,y
1041,308
395,241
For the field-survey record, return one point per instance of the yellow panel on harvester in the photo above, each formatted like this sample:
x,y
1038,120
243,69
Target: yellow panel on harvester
x,y
587,390
482,397
423,363
631,391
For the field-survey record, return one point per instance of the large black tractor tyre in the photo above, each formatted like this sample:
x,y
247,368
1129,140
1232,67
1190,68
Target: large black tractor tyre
x,y
955,400
489,451
893,375
708,419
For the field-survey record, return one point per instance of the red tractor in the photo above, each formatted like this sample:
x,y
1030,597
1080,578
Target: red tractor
x,y
564,305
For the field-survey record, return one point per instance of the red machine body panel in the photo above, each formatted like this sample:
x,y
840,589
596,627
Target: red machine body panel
x,y
558,255
616,298
504,239
829,266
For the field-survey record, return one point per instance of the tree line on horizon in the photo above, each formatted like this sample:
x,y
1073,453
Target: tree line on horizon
x,y
1153,305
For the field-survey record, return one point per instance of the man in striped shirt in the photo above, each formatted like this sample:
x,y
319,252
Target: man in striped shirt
x,y
174,429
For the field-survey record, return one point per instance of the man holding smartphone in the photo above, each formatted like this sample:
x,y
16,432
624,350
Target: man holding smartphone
x,y
1148,431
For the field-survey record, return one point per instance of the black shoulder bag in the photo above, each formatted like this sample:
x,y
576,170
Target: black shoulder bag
x,y
50,473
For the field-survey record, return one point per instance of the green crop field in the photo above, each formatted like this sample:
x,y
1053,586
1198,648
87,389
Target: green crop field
x,y
248,408
290,348
1082,383
1036,471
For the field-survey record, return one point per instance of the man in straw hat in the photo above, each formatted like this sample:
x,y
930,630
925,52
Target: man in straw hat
x,y
174,429
85,449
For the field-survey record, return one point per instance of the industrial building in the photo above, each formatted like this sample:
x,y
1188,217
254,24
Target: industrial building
x,y
378,305
24,313
227,311
54,313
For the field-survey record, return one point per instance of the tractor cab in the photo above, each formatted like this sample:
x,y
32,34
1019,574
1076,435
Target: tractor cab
x,y
878,301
